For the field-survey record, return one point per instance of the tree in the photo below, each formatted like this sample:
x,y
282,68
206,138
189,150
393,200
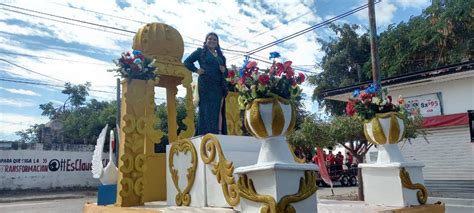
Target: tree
x,y
349,132
342,65
77,95
161,112
439,36
313,132
82,121
31,134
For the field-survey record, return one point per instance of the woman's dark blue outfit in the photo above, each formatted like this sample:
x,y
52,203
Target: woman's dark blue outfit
x,y
212,91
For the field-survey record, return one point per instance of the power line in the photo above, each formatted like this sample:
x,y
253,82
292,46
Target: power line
x,y
70,19
83,22
44,84
261,33
301,32
64,22
29,70
51,58
96,12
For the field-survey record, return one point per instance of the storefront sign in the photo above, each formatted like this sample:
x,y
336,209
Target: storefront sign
x,y
429,104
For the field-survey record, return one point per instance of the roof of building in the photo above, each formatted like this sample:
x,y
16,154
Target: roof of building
x,y
409,78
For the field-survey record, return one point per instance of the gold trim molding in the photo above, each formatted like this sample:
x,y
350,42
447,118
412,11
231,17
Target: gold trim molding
x,y
422,194
306,188
296,158
223,169
183,146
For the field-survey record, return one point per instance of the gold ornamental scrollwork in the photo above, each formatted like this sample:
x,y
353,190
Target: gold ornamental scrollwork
x,y
422,194
183,146
296,158
247,191
223,169
306,188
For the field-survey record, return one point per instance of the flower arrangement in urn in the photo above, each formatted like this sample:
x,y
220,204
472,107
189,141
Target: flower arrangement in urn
x,y
135,66
380,112
367,103
280,80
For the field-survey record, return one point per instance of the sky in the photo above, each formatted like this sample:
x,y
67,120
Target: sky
x,y
40,49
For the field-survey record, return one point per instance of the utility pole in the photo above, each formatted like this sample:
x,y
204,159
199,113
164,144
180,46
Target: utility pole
x,y
374,53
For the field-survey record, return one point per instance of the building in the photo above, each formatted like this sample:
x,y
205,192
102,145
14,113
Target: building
x,y
446,99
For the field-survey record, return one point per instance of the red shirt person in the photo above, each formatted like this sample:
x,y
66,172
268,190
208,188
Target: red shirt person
x,y
331,158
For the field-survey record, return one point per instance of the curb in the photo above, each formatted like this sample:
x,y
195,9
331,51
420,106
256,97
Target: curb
x,y
39,198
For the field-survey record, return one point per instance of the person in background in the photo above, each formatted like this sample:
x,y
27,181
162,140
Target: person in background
x,y
315,156
211,86
339,159
349,160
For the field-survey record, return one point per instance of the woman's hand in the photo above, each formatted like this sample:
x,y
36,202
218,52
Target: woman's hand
x,y
222,68
200,71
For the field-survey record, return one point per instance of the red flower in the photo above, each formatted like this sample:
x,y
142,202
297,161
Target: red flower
x,y
287,64
290,73
264,79
231,74
280,68
350,110
301,77
251,64
242,80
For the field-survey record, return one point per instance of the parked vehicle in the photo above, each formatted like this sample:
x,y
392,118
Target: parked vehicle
x,y
346,177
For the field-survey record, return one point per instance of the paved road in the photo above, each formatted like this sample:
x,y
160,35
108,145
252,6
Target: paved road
x,y
72,205
55,201
73,201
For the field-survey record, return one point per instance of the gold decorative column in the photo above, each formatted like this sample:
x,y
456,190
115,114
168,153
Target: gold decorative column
x,y
164,43
137,125
232,113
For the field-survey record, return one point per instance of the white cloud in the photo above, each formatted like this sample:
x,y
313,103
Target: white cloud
x,y
193,19
413,3
12,122
21,91
384,12
16,103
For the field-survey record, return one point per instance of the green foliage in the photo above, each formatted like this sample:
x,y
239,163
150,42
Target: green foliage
x,y
85,123
313,131
439,36
343,64
30,135
344,129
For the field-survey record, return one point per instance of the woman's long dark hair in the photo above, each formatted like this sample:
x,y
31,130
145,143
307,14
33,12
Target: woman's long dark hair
x,y
218,47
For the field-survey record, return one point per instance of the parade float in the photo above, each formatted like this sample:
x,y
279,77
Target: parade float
x,y
228,173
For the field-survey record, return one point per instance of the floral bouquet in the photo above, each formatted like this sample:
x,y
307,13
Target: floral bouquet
x,y
232,79
279,80
135,66
365,104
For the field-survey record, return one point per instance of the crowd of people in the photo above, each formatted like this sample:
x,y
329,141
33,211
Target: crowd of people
x,y
335,162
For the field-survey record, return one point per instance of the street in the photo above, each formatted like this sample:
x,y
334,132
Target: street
x,y
73,201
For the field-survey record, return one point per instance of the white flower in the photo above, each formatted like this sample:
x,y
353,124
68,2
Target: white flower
x,y
376,100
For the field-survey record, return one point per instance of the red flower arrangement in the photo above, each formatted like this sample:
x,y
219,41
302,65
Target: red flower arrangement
x,y
279,80
135,66
367,103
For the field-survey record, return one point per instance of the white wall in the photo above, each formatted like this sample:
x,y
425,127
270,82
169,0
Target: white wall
x,y
30,169
448,156
457,96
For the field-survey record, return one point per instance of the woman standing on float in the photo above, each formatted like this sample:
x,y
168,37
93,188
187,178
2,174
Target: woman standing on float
x,y
211,87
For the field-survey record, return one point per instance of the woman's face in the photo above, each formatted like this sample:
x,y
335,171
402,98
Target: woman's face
x,y
211,42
